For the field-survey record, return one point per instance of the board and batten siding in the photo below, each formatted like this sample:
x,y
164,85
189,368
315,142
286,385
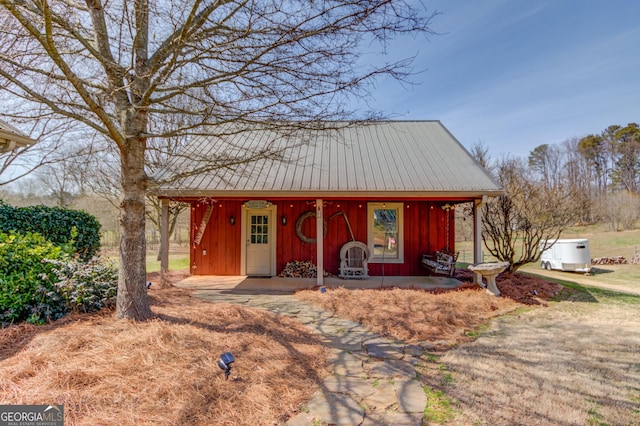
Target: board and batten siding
x,y
219,251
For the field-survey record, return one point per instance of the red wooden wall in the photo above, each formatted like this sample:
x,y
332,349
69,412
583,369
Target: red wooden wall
x,y
424,232
220,241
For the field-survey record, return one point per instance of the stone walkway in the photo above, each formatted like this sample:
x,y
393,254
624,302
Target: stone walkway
x,y
373,380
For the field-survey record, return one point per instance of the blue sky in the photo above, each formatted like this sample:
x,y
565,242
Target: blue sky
x,y
515,74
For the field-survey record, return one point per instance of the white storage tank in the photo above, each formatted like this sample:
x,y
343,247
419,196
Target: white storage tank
x,y
567,255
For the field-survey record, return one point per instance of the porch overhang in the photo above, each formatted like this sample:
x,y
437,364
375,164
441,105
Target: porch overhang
x,y
478,198
389,195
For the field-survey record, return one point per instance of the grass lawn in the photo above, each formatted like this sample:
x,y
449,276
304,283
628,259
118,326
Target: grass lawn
x,y
602,243
575,362
178,261
572,362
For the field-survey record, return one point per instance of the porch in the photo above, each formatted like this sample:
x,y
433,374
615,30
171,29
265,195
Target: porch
x,y
284,285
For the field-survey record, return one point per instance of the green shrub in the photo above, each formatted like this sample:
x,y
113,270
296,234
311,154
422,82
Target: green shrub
x,y
84,286
40,281
23,273
55,224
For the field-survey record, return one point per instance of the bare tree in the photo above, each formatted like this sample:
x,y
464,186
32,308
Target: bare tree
x,y
528,218
133,71
621,210
11,160
58,182
547,161
595,150
17,163
480,152
98,173
578,181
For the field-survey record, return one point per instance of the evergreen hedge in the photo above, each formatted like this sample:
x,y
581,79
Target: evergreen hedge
x,y
55,224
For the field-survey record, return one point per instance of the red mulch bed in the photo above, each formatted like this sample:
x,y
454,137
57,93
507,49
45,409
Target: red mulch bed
x,y
521,288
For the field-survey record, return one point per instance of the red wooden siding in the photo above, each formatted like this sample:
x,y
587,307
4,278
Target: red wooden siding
x,y
220,241
424,232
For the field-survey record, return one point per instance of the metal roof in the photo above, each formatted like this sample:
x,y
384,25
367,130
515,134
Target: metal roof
x,y
11,138
383,158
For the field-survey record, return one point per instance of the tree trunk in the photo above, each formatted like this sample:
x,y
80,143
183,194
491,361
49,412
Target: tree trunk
x,y
132,301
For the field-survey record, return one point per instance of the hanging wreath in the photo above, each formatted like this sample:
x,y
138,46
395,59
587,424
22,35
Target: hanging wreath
x,y
299,223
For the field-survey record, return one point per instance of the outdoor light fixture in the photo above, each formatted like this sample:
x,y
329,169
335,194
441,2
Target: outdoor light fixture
x,y
225,361
284,220
232,219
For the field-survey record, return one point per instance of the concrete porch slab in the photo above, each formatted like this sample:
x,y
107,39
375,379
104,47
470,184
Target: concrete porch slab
x,y
282,285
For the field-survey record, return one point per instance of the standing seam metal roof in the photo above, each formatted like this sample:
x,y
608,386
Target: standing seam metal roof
x,y
420,157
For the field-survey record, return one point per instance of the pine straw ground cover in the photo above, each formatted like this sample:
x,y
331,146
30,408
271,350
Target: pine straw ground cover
x,y
440,318
164,371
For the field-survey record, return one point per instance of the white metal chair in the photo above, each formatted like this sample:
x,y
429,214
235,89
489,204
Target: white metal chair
x,y
354,258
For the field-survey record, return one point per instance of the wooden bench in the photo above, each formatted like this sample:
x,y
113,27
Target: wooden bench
x,y
442,262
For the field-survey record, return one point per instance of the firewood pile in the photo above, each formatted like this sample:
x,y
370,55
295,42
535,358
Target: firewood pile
x,y
615,260
300,269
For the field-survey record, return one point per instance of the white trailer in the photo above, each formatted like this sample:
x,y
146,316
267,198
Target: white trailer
x,y
567,255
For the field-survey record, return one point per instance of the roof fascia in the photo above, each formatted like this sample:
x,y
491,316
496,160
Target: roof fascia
x,y
417,195
18,140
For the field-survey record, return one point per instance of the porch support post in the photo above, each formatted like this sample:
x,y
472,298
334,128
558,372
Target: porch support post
x,y
164,241
319,242
477,233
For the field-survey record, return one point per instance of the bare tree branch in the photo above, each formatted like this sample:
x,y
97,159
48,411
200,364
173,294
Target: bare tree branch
x,y
175,68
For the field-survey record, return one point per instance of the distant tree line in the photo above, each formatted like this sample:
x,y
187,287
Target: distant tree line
x,y
594,179
598,174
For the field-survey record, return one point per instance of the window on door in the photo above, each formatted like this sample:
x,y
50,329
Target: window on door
x,y
385,226
259,229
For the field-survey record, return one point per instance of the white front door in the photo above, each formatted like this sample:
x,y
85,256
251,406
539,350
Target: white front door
x,y
260,240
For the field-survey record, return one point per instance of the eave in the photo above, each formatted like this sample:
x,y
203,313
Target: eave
x,y
11,140
389,195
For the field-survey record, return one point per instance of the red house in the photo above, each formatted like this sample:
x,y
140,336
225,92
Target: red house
x,y
390,185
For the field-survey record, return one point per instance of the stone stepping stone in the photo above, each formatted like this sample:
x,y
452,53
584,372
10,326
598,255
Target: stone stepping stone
x,y
382,398
391,368
392,419
334,408
346,364
411,396
383,349
358,389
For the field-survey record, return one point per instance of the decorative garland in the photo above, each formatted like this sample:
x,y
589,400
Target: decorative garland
x,y
299,223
